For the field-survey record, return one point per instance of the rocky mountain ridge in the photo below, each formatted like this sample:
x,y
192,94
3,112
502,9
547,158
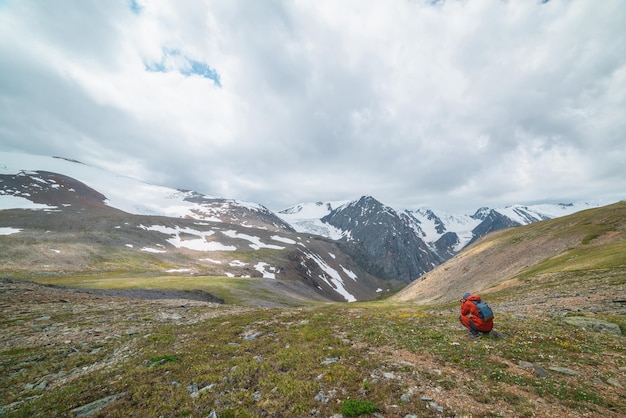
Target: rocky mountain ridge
x,y
409,243
348,250
73,219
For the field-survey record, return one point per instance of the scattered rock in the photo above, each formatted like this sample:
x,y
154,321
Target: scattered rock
x,y
614,382
251,335
593,323
526,365
320,397
564,370
497,335
540,371
435,407
192,389
330,360
95,406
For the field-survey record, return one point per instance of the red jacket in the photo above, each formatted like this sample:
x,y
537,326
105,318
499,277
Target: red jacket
x,y
469,309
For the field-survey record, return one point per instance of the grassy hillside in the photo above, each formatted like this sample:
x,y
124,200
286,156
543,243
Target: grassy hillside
x,y
52,246
575,248
62,349
65,352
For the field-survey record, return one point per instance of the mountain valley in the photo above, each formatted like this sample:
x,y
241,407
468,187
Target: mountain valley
x,y
119,296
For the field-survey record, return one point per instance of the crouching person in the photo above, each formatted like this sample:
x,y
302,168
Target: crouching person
x,y
476,315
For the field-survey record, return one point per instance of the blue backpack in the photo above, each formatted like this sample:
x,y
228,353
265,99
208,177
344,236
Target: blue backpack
x,y
484,310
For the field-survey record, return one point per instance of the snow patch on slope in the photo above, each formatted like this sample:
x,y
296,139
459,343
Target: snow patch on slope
x,y
255,242
332,276
121,192
196,244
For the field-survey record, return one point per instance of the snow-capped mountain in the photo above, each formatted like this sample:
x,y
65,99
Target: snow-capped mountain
x,y
25,177
307,218
61,217
391,247
342,250
437,235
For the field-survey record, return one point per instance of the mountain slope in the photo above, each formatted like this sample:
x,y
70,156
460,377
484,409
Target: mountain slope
x,y
392,250
39,179
403,245
583,254
71,219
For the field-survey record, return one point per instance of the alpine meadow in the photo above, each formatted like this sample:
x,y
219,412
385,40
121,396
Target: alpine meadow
x,y
233,313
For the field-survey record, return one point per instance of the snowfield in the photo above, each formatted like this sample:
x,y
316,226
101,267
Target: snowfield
x,y
9,231
197,244
255,242
124,193
333,279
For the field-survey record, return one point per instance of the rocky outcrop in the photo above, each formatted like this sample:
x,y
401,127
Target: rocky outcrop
x,y
389,247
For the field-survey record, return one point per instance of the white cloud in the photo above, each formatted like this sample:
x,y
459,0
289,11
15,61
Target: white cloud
x,y
453,105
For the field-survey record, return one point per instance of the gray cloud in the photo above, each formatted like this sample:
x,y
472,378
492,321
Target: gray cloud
x,y
449,104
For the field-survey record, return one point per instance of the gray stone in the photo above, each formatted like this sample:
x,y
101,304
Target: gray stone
x,y
526,365
192,388
540,371
95,406
330,360
614,382
497,335
564,370
435,406
320,397
593,323
406,398
252,335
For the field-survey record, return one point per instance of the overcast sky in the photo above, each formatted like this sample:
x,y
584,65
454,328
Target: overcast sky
x,y
451,104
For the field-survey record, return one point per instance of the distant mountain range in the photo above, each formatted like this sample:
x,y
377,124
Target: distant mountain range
x,y
95,221
408,243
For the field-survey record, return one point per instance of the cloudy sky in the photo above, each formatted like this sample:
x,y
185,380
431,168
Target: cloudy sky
x,y
452,104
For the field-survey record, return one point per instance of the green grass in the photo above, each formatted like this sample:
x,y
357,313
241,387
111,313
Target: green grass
x,y
319,359
328,359
609,256
232,289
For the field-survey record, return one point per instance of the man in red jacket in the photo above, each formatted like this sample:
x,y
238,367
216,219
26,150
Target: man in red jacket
x,y
470,317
